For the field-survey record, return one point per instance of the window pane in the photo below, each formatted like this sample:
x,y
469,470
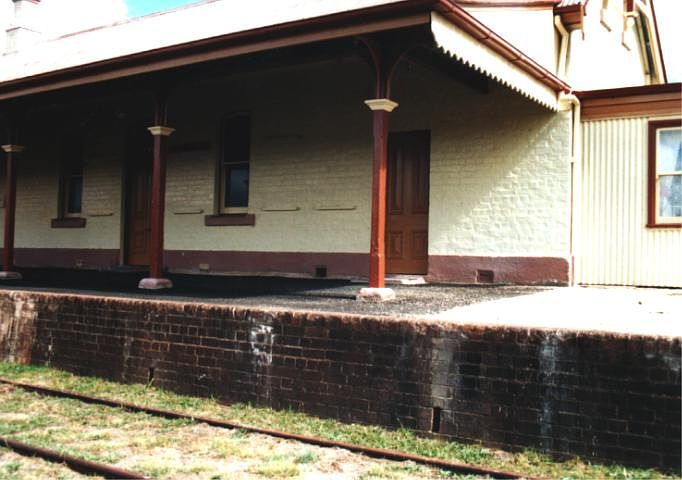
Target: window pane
x,y
236,146
237,185
670,196
669,150
236,140
75,195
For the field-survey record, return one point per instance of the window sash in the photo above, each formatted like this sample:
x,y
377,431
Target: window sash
x,y
73,195
667,212
663,204
71,184
232,196
234,165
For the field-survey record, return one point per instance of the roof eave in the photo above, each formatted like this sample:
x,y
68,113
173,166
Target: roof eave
x,y
402,14
461,18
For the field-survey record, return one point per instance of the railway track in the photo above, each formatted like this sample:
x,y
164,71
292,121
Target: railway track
x,y
76,463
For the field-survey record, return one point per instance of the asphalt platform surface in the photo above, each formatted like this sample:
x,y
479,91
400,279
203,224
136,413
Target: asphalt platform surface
x,y
283,293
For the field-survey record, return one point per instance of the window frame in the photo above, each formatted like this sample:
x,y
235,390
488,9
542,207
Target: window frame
x,y
653,218
71,159
220,207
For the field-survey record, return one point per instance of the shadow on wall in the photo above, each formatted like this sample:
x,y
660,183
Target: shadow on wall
x,y
499,157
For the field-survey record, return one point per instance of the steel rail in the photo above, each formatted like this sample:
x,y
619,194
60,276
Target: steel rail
x,y
369,451
74,463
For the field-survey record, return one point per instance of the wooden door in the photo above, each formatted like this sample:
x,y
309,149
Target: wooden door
x,y
407,204
138,200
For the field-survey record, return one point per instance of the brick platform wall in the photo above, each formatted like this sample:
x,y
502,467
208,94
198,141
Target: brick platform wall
x,y
604,397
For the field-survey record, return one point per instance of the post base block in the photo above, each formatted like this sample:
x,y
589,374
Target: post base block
x,y
10,276
155,283
376,294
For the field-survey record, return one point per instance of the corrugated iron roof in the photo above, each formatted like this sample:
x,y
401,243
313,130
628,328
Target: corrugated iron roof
x,y
170,38
208,19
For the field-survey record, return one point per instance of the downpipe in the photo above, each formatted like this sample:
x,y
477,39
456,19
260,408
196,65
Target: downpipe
x,y
566,101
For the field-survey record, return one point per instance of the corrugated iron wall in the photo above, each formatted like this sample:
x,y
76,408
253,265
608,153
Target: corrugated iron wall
x,y
614,246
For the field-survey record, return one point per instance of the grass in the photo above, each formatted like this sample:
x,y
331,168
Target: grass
x,y
528,462
399,472
306,457
276,467
158,447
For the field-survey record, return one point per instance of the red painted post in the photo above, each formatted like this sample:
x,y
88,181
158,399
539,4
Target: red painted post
x,y
158,205
377,254
381,107
10,208
161,132
384,63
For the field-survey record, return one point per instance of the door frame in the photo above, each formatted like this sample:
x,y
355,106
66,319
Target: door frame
x,y
129,152
427,132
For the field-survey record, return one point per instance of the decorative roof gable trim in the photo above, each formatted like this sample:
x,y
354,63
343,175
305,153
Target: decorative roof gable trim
x,y
468,24
477,55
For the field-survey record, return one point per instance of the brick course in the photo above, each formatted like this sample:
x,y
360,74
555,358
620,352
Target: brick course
x,y
604,397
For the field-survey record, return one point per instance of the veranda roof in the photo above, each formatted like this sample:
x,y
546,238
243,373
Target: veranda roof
x,y
469,50
215,29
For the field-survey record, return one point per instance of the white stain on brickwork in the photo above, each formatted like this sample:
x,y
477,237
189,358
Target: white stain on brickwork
x,y
672,362
261,340
17,329
127,345
548,356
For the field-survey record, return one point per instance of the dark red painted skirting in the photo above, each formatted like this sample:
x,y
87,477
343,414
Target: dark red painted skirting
x,y
523,270
337,264
67,257
442,268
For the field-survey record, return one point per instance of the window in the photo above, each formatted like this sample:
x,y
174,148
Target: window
x,y
70,201
233,175
665,173
71,194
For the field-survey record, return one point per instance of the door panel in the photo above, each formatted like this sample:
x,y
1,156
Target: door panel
x,y
395,245
407,218
395,187
138,201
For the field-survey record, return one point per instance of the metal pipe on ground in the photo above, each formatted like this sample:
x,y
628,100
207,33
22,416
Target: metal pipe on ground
x,y
369,451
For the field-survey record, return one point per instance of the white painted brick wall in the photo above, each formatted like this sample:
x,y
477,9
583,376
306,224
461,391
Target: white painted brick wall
x,y
499,180
500,172
38,190
307,152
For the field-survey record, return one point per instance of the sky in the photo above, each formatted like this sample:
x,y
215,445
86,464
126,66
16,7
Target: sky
x,y
100,12
137,8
